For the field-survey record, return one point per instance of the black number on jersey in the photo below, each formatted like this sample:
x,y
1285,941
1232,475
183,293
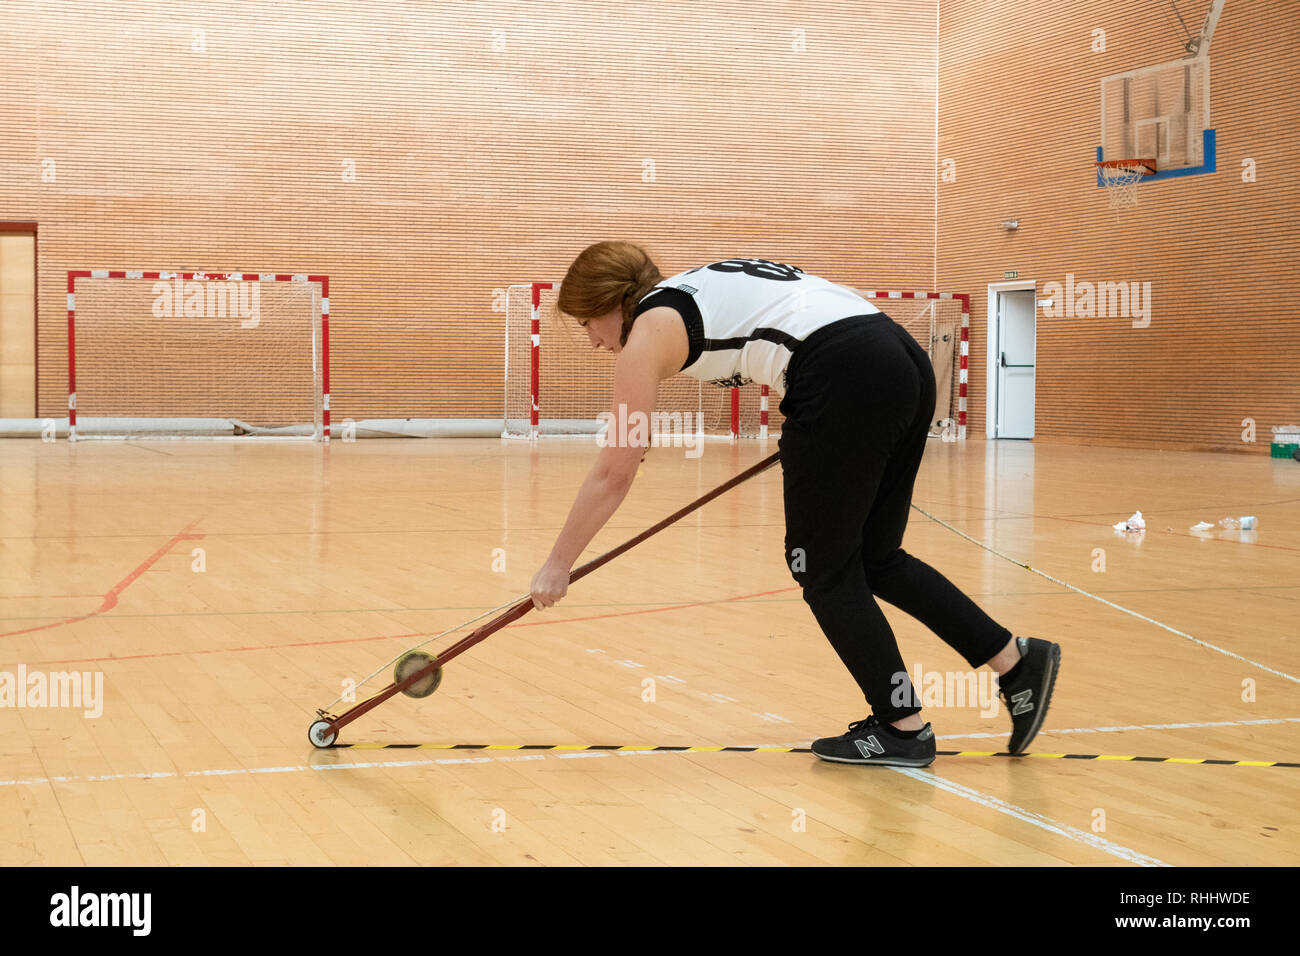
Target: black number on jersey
x,y
759,269
735,381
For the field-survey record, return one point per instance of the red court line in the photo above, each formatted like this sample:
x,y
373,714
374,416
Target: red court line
x,y
386,637
37,597
657,610
229,650
110,597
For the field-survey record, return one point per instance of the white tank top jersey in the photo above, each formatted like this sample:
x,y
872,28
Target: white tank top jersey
x,y
745,317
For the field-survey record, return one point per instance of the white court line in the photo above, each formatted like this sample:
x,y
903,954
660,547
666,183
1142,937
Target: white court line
x,y
290,768
299,768
1118,607
588,754
769,717
1112,730
1033,819
1105,730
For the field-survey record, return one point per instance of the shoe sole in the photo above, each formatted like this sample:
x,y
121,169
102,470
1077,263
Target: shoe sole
x,y
883,761
1045,695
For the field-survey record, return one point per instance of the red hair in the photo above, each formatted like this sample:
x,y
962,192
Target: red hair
x,y
607,276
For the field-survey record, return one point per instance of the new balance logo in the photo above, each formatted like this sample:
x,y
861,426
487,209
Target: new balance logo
x,y
1021,704
869,747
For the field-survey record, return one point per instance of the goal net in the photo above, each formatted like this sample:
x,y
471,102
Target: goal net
x,y
196,355
562,386
557,384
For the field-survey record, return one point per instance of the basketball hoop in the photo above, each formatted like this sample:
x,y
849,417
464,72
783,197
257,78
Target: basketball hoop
x,y
1121,176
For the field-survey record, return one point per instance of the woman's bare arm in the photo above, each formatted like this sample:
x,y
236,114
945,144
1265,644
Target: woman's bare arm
x,y
656,348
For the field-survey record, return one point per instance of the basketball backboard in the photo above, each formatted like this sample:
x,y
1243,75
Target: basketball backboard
x,y
1163,112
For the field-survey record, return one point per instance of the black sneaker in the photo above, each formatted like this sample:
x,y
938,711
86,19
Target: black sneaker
x,y
870,741
1029,691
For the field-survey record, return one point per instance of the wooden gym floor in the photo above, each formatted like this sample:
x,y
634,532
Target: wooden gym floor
x,y
319,564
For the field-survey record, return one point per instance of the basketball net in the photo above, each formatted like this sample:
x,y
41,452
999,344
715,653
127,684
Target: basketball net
x,y
1121,182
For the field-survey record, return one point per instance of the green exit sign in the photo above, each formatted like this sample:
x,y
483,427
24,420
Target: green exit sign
x,y
1011,274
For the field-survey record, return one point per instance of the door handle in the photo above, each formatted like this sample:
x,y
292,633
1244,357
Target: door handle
x,y
1005,365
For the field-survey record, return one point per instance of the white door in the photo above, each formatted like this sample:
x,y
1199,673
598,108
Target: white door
x,y
1015,417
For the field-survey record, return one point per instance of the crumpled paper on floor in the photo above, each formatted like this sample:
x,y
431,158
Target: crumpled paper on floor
x,y
1134,523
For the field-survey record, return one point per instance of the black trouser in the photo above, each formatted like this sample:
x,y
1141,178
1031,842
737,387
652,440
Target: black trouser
x,y
859,400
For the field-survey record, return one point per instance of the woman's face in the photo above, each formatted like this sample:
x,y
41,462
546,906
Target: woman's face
x,y
606,331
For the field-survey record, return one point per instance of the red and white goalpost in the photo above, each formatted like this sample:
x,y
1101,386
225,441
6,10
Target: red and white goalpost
x,y
947,315
556,384
197,354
